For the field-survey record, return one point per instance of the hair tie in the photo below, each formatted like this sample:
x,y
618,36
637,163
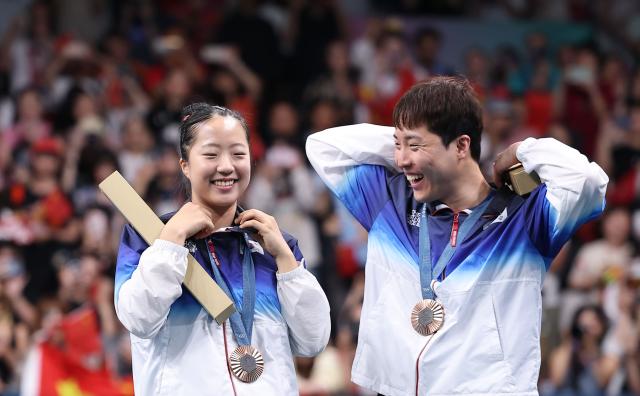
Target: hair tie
x,y
186,117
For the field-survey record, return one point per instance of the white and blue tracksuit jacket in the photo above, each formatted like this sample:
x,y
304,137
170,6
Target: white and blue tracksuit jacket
x,y
490,341
179,350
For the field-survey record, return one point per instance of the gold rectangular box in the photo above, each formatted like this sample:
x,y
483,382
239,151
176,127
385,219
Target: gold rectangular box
x,y
149,226
520,181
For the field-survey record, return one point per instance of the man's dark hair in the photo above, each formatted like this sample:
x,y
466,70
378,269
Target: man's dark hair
x,y
446,106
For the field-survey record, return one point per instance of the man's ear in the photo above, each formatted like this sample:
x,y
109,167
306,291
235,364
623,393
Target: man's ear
x,y
463,146
184,166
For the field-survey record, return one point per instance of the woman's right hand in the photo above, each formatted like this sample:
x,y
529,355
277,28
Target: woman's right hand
x,y
191,220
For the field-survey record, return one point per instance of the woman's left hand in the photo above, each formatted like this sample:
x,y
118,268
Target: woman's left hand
x,y
268,232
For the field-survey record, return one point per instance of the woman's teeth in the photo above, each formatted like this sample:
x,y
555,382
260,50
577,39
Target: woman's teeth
x,y
223,183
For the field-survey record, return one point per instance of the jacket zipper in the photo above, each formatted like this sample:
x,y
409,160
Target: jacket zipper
x,y
226,356
454,229
418,363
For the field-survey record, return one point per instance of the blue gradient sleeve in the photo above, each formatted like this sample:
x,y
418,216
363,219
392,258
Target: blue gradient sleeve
x,y
364,192
545,231
292,242
131,247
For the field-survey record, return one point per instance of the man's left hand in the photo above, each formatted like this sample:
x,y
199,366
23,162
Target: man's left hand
x,y
504,161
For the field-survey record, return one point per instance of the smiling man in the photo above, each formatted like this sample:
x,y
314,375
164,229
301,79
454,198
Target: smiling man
x,y
455,267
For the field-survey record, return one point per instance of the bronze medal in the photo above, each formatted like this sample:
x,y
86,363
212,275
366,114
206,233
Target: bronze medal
x,y
246,363
427,317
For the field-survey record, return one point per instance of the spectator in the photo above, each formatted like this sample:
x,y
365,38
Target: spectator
x,y
313,26
47,211
137,148
580,102
283,184
29,127
427,46
606,260
578,365
338,83
164,116
387,76
32,51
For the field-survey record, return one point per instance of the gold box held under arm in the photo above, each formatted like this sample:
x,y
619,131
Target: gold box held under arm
x,y
520,181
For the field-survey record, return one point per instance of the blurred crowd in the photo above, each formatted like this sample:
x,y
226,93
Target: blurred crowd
x,y
90,87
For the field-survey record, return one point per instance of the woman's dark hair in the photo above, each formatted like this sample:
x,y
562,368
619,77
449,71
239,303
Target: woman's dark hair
x,y
576,366
577,332
446,106
192,116
196,113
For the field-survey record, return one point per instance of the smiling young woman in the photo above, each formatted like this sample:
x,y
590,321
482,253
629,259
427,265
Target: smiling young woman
x,y
281,310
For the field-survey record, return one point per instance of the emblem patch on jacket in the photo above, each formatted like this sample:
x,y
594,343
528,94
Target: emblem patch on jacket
x,y
501,217
191,246
255,247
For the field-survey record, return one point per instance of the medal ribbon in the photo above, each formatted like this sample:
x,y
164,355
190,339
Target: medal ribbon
x,y
241,320
427,271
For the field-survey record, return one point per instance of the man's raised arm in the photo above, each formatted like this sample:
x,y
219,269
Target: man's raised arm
x,y
354,162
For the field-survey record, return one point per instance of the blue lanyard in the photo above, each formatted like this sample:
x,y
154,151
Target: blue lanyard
x,y
241,320
427,271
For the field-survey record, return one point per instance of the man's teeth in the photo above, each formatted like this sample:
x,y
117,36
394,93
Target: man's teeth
x,y
414,178
223,183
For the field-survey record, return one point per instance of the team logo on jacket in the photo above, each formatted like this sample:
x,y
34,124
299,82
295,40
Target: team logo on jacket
x,y
255,247
501,217
191,246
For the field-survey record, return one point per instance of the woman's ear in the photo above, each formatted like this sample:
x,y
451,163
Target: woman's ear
x,y
184,166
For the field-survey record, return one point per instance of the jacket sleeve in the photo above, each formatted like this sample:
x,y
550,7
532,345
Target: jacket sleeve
x,y
148,281
305,308
355,162
572,193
